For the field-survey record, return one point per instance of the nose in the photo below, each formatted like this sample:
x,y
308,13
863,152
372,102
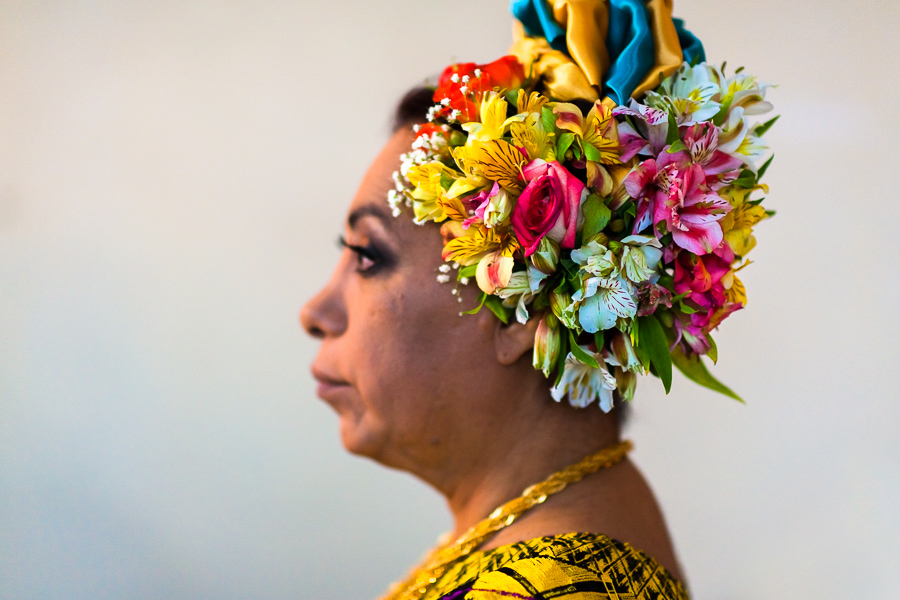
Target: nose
x,y
324,315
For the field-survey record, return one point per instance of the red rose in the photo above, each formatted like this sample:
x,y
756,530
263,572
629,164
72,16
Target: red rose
x,y
547,206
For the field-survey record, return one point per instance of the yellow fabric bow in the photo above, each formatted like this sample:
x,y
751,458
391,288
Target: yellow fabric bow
x,y
587,23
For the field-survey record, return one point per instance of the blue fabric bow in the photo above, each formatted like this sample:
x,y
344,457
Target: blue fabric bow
x,y
629,41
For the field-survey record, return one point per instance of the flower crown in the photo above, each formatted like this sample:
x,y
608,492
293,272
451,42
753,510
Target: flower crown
x,y
622,222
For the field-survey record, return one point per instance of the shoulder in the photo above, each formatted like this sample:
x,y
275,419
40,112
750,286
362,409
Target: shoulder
x,y
572,566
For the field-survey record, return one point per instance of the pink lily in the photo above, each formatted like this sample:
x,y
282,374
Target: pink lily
x,y
481,202
646,184
691,211
652,130
494,271
702,278
701,142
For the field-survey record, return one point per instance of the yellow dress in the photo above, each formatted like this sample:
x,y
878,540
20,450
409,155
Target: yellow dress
x,y
574,566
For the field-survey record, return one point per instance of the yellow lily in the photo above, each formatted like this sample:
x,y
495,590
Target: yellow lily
x,y
531,135
598,137
532,103
430,201
598,131
735,292
469,246
738,224
493,119
496,160
427,178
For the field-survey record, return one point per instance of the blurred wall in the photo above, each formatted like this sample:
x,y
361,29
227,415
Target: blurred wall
x,y
173,175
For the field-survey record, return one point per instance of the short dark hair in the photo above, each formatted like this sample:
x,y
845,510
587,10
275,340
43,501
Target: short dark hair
x,y
413,107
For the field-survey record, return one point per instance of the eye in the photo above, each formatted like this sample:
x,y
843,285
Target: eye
x,y
367,257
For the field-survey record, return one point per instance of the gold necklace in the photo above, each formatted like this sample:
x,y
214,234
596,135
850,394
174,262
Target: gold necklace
x,y
443,556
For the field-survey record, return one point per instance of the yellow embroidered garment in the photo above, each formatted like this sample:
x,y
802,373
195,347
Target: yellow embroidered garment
x,y
574,566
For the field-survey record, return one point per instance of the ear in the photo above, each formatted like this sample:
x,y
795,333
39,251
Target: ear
x,y
515,339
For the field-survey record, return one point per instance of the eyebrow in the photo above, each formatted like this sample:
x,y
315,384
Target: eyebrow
x,y
369,210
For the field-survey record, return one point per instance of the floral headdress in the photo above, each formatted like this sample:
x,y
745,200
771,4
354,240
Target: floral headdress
x,y
602,178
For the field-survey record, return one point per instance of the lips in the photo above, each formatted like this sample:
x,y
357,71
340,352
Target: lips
x,y
329,385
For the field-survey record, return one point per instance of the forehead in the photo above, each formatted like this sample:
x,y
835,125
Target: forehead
x,y
378,181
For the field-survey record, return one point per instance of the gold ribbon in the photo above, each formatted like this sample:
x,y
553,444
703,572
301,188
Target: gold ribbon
x,y
580,74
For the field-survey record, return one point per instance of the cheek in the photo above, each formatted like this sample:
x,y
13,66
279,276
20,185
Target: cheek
x,y
413,350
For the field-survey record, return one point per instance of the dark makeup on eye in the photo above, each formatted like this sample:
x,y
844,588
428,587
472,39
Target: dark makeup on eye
x,y
369,258
366,239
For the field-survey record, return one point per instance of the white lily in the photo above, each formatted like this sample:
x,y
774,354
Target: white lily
x,y
583,383
596,259
640,258
519,293
601,302
688,95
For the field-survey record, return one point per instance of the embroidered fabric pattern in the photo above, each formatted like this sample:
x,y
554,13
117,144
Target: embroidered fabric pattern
x,y
606,182
575,566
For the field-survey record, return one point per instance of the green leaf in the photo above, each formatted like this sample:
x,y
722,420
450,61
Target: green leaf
x,y
765,127
565,140
654,343
467,272
746,180
579,353
713,352
591,153
686,309
576,150
673,130
720,117
693,368
764,168
561,358
645,359
475,310
668,282
570,266
677,146
771,213
496,306
665,316
548,119
600,340
596,216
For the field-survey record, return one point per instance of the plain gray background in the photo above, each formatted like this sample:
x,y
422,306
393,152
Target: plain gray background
x,y
173,175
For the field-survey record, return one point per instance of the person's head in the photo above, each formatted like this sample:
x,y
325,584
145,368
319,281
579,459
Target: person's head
x,y
405,371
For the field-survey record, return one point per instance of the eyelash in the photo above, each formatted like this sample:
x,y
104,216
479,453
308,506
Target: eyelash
x,y
363,253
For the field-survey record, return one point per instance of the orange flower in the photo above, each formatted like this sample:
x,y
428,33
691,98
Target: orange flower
x,y
462,85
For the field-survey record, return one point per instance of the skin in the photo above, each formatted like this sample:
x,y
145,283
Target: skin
x,y
454,399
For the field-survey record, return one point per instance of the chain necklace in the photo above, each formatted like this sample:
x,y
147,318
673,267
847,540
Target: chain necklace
x,y
443,556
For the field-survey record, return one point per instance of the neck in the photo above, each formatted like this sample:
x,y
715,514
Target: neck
x,y
524,452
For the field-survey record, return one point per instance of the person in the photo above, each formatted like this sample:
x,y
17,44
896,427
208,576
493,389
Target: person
x,y
470,401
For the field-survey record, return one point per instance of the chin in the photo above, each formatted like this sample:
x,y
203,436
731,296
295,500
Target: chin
x,y
360,439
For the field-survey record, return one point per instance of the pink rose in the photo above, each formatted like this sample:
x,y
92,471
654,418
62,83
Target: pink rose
x,y
547,206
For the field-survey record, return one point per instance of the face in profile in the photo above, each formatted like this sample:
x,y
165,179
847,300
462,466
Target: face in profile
x,y
400,366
